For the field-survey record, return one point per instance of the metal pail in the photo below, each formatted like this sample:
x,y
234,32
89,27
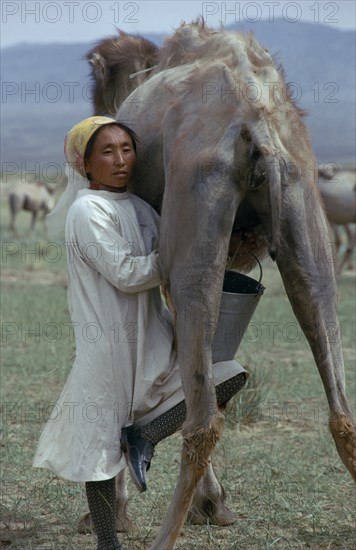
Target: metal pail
x,y
239,300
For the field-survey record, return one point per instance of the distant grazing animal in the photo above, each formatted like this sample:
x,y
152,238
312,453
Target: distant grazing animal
x,y
338,192
220,154
32,197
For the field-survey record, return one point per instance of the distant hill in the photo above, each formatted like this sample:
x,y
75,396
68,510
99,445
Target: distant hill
x,y
46,89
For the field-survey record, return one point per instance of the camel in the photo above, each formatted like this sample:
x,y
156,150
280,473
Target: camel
x,y
338,192
32,197
222,153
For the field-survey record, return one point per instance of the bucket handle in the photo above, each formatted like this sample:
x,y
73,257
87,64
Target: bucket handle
x,y
259,265
252,254
257,260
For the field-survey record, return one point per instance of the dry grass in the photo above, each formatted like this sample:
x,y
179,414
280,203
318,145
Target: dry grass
x,y
276,459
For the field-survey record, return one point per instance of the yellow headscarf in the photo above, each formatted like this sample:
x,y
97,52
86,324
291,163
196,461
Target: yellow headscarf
x,y
75,144
77,139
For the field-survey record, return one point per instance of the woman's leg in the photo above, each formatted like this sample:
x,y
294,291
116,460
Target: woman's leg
x,y
171,421
101,501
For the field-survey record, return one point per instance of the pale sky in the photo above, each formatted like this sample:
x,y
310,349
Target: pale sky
x,y
88,21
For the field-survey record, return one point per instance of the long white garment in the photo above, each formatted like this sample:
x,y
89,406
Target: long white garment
x,y
125,369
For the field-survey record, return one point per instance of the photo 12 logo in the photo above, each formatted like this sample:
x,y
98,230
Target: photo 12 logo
x,y
251,12
69,12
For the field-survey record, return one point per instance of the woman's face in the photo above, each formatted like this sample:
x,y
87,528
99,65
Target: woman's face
x,y
112,158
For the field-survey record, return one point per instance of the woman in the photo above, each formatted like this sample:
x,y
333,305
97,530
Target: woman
x,y
125,371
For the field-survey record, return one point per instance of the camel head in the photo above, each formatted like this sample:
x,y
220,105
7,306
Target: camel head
x,y
112,62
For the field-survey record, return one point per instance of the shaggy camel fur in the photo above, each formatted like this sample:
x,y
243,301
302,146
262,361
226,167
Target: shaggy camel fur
x,y
224,151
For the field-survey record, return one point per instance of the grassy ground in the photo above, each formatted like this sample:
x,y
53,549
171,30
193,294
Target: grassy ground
x,y
281,474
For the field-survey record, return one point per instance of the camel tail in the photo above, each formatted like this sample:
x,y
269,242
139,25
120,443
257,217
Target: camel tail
x,y
274,174
263,140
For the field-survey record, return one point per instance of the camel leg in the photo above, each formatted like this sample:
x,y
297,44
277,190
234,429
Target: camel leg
x,y
12,226
308,275
12,223
204,422
347,259
195,270
123,522
14,206
33,221
337,240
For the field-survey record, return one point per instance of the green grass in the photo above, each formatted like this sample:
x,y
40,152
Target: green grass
x,y
281,473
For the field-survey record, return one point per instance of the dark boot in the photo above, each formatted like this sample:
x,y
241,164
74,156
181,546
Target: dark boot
x,y
138,452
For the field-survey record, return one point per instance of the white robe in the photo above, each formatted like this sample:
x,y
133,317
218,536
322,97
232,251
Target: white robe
x,y
126,368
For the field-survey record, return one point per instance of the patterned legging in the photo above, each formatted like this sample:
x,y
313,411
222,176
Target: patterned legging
x,y
171,421
101,501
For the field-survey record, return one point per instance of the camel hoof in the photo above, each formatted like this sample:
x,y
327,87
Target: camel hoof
x,y
196,517
343,431
123,524
218,515
223,517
